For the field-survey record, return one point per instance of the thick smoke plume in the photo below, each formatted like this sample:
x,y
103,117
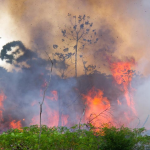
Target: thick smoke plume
x,y
29,28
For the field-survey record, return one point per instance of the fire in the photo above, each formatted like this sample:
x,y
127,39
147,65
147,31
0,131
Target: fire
x,y
15,124
44,84
54,96
2,98
119,103
35,120
123,74
64,119
50,116
98,107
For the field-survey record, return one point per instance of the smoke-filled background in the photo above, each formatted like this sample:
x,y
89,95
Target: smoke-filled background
x,y
29,28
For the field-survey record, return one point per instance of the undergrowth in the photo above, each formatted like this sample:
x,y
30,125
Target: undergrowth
x,y
63,138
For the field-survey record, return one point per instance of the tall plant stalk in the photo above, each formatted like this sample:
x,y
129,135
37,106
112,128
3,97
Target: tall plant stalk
x,y
44,97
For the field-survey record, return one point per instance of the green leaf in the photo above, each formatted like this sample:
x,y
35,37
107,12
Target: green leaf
x,y
12,134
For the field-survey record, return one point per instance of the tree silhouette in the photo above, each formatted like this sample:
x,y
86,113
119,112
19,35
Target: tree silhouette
x,y
60,63
87,69
77,36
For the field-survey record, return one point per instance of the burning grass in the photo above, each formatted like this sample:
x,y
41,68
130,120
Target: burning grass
x,y
63,138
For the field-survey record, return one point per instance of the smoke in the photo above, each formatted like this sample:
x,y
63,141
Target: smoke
x,y
142,97
121,26
29,28
22,88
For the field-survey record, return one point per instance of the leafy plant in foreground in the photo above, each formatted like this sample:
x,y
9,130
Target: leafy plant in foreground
x,y
63,138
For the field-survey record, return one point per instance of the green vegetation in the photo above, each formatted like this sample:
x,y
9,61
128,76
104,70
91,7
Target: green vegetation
x,y
63,138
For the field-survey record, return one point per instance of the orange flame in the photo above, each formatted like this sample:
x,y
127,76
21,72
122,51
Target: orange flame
x,y
15,124
97,107
123,74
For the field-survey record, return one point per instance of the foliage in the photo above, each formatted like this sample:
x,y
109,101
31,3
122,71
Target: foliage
x,y
63,138
124,138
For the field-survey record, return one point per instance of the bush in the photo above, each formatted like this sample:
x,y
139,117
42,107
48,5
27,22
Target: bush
x,y
62,138
123,139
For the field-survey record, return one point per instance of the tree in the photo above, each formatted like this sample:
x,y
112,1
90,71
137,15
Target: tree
x,y
77,36
60,63
87,69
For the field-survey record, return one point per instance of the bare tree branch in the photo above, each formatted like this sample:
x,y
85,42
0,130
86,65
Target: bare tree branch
x,y
82,115
146,120
99,115
44,96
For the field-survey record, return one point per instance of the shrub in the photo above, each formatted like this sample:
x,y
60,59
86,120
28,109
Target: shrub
x,y
63,138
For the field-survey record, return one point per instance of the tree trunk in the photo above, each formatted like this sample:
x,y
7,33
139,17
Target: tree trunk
x,y
76,54
59,107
